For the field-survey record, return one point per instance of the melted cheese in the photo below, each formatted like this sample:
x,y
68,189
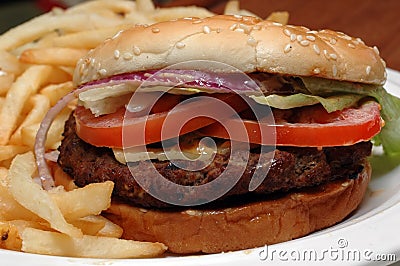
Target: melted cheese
x,y
189,149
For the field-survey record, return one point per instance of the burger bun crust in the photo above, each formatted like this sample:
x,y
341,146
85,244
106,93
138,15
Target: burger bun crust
x,y
246,43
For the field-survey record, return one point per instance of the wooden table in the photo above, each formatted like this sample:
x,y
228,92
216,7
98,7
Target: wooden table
x,y
376,22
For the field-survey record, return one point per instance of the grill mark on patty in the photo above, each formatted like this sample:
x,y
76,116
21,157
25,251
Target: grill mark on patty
x,y
292,168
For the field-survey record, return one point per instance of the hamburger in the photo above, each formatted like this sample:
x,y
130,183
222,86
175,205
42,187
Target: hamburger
x,y
322,90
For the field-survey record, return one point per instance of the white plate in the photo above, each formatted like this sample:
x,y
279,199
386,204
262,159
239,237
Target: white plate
x,y
372,231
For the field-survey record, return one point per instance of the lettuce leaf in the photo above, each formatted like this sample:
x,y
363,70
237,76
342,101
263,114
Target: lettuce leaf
x,y
331,103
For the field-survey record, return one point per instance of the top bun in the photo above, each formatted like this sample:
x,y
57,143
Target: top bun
x,y
246,43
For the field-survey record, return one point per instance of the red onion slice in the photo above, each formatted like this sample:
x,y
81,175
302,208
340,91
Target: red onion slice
x,y
217,82
39,149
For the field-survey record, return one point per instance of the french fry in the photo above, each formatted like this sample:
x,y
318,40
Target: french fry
x,y
145,5
10,67
40,26
40,106
97,225
26,85
232,7
9,151
77,207
117,6
9,63
87,39
89,225
58,56
52,243
169,13
57,75
31,195
6,81
12,210
54,136
110,229
279,17
10,232
10,238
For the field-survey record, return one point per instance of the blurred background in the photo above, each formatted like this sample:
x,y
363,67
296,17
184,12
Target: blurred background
x,y
376,22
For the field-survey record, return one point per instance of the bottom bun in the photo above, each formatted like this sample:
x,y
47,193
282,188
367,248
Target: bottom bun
x,y
244,226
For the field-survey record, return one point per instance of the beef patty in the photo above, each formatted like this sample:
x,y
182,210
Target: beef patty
x,y
292,168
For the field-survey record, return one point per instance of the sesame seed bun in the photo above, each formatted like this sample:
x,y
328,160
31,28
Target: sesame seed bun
x,y
247,225
246,43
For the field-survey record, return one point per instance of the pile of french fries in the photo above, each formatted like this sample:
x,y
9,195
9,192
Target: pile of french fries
x,y
37,60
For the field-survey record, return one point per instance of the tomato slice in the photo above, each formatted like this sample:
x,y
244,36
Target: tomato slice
x,y
108,130
314,127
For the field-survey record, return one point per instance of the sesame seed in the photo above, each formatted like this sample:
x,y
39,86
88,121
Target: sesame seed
x,y
316,49
293,37
287,48
345,184
276,24
197,21
136,50
240,30
251,41
333,56
332,41
102,72
360,41
326,54
233,27
334,70
246,28
316,70
117,54
180,45
188,18
299,38
346,37
155,30
127,56
206,29
310,38
304,43
312,32
287,32
368,70
376,50
218,30
92,62
351,45
238,16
